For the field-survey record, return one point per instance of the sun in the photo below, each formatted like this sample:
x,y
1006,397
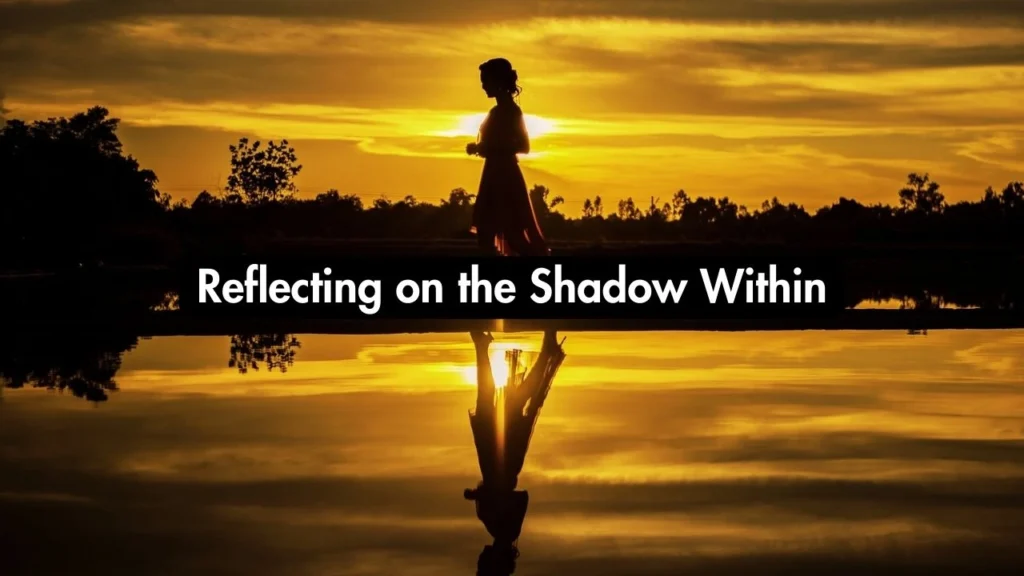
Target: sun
x,y
499,367
469,126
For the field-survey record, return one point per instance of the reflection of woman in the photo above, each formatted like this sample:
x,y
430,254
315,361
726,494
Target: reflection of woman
x,y
503,217
501,445
525,397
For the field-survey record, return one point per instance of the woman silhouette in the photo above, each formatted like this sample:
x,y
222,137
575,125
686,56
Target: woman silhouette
x,y
502,443
503,217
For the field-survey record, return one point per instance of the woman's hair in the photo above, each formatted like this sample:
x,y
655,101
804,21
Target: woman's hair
x,y
505,77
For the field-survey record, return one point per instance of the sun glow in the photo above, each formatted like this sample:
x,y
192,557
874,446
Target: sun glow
x,y
499,366
469,126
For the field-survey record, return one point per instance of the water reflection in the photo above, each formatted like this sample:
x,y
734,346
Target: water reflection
x,y
82,365
274,351
658,453
503,422
85,365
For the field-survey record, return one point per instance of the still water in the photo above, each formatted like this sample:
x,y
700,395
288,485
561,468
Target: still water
x,y
656,453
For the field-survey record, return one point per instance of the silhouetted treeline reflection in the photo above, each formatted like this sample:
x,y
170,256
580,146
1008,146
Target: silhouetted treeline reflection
x,y
86,364
71,195
256,351
83,365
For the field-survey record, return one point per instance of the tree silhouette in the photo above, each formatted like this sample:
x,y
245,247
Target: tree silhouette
x,y
274,351
459,198
658,213
1011,199
921,195
261,175
349,203
85,365
628,210
543,207
69,196
65,185
382,203
924,218
588,209
82,364
679,201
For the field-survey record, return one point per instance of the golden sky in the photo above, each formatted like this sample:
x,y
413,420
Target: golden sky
x,y
804,99
695,453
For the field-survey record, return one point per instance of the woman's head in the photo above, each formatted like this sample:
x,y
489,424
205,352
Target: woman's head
x,y
498,77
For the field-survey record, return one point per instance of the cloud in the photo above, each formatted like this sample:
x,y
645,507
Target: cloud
x,y
644,105
42,15
813,70
1004,149
840,56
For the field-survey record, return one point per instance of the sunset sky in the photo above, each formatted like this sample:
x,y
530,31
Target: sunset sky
x,y
804,99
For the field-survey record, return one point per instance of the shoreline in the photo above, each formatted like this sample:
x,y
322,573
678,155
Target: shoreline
x,y
173,323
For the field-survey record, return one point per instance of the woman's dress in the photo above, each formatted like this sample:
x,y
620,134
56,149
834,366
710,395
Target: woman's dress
x,y
503,211
525,397
499,506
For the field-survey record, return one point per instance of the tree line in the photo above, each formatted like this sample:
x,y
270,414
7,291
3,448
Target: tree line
x,y
86,365
71,193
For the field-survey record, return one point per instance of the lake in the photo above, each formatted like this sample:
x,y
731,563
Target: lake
x,y
839,452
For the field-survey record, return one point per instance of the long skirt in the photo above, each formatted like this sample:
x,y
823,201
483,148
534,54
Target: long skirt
x,y
503,212
523,404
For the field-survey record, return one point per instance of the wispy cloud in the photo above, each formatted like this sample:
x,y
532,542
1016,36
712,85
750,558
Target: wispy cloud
x,y
391,76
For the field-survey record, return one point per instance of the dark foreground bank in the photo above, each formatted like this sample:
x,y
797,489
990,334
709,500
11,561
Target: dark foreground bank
x,y
176,323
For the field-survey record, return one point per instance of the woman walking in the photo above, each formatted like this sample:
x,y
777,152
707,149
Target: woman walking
x,y
503,216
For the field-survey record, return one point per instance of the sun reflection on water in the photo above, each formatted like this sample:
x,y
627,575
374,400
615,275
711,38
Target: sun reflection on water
x,y
499,365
